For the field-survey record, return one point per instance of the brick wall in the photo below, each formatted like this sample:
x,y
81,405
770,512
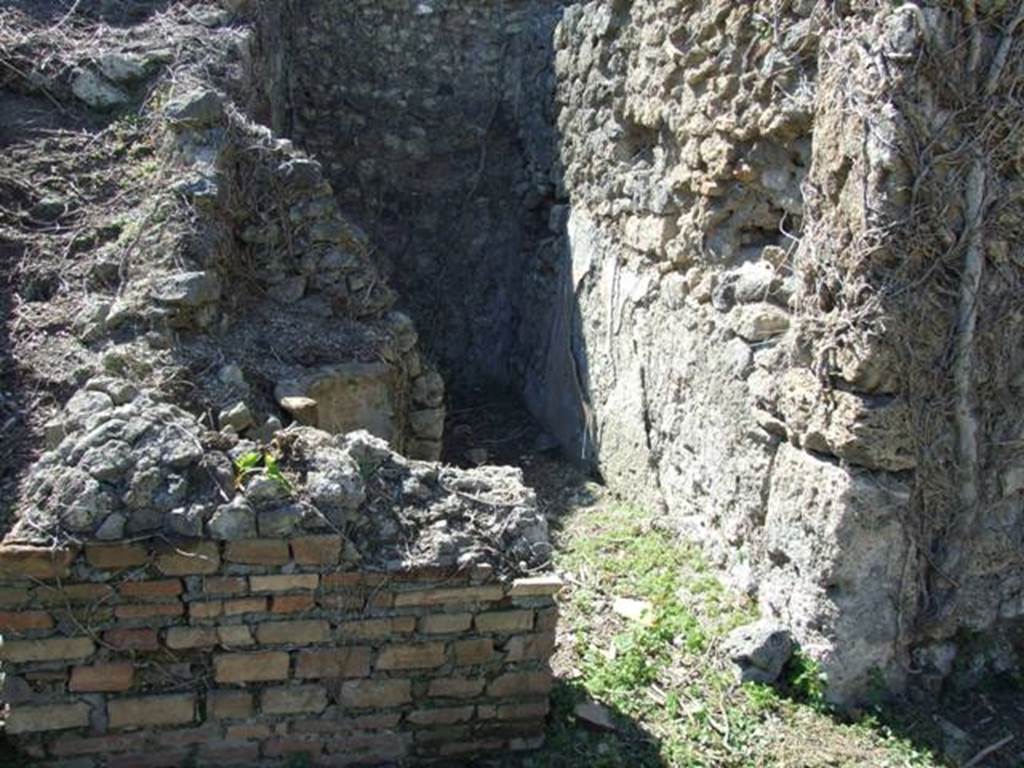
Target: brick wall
x,y
152,654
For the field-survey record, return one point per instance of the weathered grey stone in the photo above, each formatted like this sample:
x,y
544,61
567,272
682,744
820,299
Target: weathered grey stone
x,y
404,331
112,528
347,398
188,289
84,404
596,716
196,109
260,488
280,521
337,485
428,424
119,390
234,520
109,461
238,417
122,67
96,91
838,552
758,322
185,521
759,650
428,389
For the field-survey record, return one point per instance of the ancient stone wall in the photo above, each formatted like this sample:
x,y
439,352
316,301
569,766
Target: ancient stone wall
x,y
286,270
224,601
263,650
434,122
717,291
755,231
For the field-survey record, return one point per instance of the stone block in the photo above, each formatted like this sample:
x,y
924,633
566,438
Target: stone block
x,y
317,550
192,559
12,596
440,715
521,684
373,694
74,594
350,580
475,651
182,737
102,678
229,752
245,605
122,639
235,635
534,647
149,611
450,596
445,623
462,748
225,585
294,700
345,398
293,632
353,661
52,649
456,687
115,557
257,552
291,603
230,705
205,611
51,717
251,667
247,732
95,745
377,628
151,590
15,622
284,582
505,622
419,656
282,747
180,638
536,586
152,711
24,562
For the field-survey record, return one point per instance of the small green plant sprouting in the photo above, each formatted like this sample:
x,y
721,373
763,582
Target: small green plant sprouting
x,y
806,680
260,462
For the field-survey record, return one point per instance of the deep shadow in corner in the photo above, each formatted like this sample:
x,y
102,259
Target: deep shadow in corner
x,y
570,743
983,723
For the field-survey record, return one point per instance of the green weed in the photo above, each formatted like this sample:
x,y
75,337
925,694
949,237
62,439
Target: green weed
x,y
256,462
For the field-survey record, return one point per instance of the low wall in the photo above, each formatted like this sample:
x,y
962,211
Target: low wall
x,y
205,653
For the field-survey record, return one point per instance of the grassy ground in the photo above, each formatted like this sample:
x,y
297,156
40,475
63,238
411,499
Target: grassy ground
x,y
672,694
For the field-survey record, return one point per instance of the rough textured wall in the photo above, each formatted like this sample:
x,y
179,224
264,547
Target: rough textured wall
x,y
740,273
167,592
434,122
290,288
771,239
